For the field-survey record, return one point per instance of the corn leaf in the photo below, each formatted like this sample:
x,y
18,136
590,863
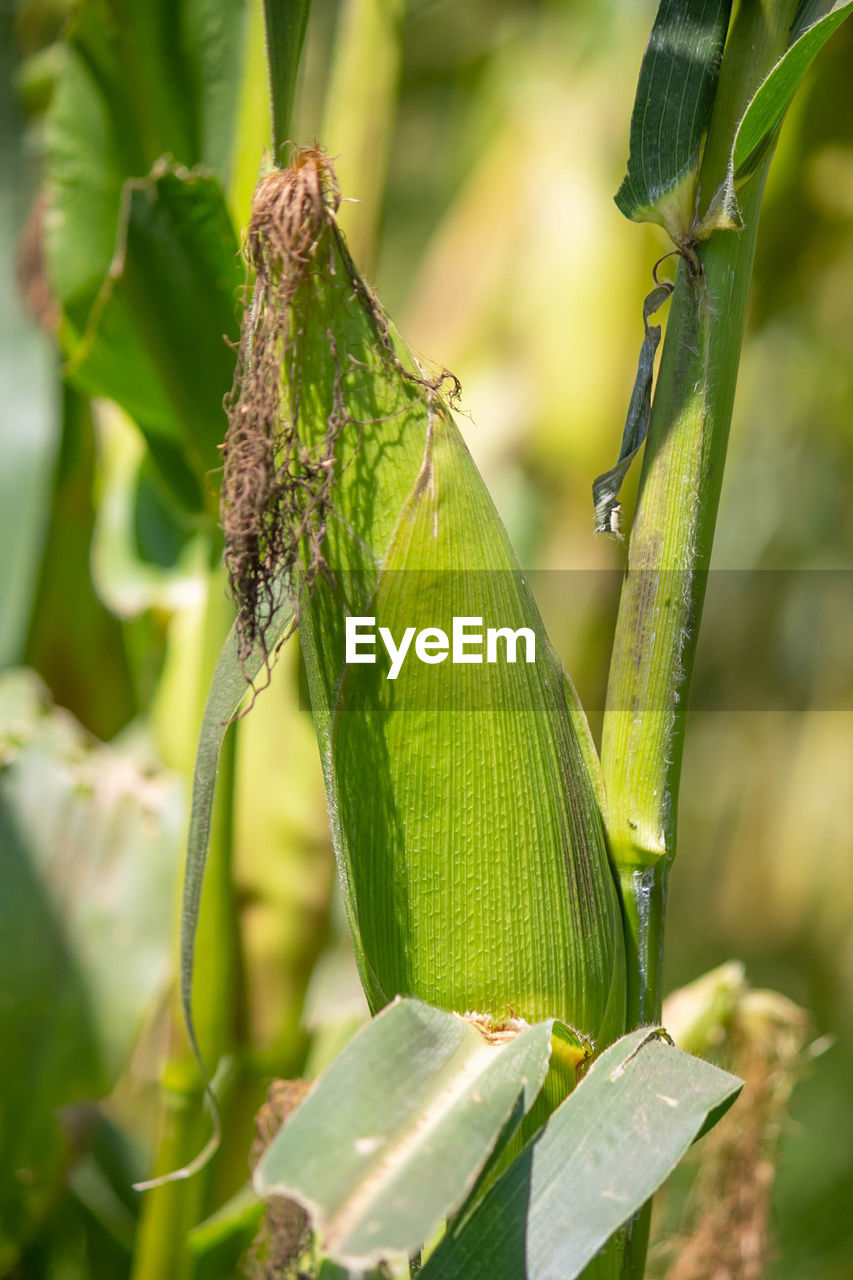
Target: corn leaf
x,y
392,1138
156,337
30,424
145,275
139,82
603,1153
90,841
672,110
145,554
816,21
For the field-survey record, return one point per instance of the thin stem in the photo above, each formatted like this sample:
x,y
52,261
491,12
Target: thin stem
x,y
670,548
286,21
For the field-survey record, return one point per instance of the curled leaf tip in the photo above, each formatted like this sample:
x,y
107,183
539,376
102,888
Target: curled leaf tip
x,y
605,488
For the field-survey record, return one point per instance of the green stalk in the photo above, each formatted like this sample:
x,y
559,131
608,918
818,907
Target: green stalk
x,y
672,536
359,117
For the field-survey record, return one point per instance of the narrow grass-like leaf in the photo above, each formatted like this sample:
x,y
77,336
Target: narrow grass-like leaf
x,y
759,125
227,691
392,1138
286,21
606,1149
816,21
672,110
605,488
156,337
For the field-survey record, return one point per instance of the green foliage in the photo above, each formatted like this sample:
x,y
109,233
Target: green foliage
x,y
377,495
30,422
142,262
227,693
815,22
140,252
672,111
90,840
604,1151
139,82
393,1137
391,1140
286,21
176,262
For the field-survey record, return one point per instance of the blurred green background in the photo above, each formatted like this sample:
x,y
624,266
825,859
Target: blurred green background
x,y
483,142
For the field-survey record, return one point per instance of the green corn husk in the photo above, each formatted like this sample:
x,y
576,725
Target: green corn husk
x,y
468,833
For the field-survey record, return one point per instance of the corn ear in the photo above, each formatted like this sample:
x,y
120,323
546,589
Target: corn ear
x,y
468,833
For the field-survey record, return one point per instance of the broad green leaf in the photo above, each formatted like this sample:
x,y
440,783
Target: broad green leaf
x,y
30,421
215,37
86,662
465,820
144,555
140,81
392,1138
672,110
815,22
603,1153
90,839
146,276
157,337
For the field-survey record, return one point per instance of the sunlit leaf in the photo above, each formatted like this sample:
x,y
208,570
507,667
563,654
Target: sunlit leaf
x,y
145,552
605,1150
286,21
672,110
157,338
815,23
391,1139
139,82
